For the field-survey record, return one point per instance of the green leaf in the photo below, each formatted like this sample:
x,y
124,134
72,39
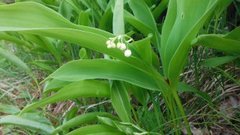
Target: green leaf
x,y
228,43
8,37
37,19
217,61
182,87
43,66
66,9
96,130
86,88
104,69
16,120
8,109
127,128
84,18
79,120
102,4
143,13
160,8
15,60
141,94
144,49
120,101
106,20
53,85
139,25
46,44
168,24
118,19
234,34
219,42
70,114
183,22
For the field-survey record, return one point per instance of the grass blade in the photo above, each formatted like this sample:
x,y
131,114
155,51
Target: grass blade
x,y
182,87
15,60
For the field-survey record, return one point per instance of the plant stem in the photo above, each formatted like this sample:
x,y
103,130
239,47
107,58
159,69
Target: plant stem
x,y
181,109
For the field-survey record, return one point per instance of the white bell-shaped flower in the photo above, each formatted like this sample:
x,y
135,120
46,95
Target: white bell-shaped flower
x,y
110,44
121,46
127,53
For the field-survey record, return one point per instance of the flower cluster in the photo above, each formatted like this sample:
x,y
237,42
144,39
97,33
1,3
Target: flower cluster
x,y
121,42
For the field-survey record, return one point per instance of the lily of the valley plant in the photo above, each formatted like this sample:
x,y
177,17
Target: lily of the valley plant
x,y
133,58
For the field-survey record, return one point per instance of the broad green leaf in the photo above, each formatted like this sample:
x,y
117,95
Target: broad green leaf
x,y
96,130
228,43
8,109
106,121
104,69
120,101
219,42
106,20
127,128
118,19
50,2
143,13
182,87
84,18
144,50
168,25
217,61
16,120
234,34
86,88
155,60
15,60
139,25
53,85
36,116
185,20
28,20
79,120
37,19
